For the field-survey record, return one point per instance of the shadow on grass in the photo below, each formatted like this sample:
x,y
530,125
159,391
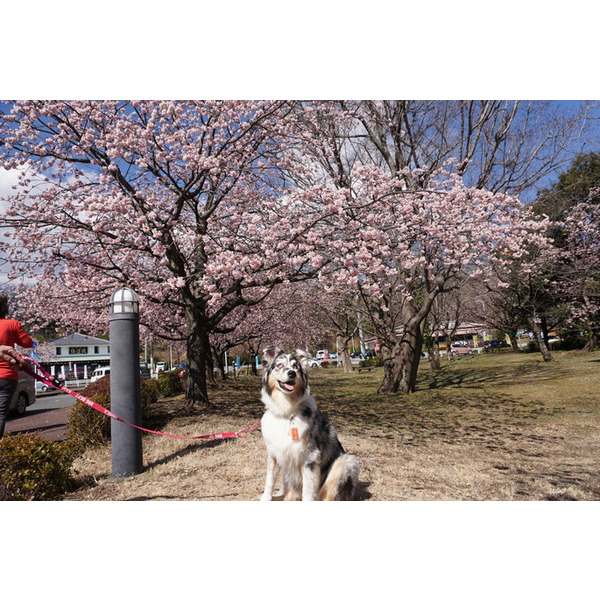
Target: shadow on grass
x,y
451,405
191,449
162,497
473,375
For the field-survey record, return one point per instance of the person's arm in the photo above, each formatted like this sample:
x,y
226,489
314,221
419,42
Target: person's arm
x,y
11,356
23,338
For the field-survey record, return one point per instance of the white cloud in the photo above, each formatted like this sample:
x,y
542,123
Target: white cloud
x,y
8,179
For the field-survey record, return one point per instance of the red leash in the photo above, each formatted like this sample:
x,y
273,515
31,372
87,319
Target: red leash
x,y
41,375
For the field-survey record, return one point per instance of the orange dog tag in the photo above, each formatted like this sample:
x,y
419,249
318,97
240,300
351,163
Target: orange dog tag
x,y
295,433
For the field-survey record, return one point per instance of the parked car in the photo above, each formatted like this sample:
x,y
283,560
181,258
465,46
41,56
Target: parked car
x,y
24,395
99,373
161,366
102,371
363,355
313,363
456,349
495,345
40,386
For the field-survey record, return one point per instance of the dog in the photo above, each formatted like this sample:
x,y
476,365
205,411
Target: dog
x,y
302,445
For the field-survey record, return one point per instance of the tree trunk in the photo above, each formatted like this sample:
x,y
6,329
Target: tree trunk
x,y
537,330
514,341
342,343
210,366
435,363
592,342
449,354
198,349
433,355
545,333
221,365
417,357
401,362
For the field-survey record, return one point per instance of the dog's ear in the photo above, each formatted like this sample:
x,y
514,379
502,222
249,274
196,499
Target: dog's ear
x,y
270,354
303,358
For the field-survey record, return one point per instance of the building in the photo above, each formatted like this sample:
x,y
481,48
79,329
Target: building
x,y
74,356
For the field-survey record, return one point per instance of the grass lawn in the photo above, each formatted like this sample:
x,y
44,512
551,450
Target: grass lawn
x,y
489,427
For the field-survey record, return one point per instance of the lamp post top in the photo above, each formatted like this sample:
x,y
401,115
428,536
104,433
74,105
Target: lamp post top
x,y
124,300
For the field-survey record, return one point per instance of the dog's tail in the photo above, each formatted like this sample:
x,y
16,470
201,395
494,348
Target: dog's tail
x,y
342,479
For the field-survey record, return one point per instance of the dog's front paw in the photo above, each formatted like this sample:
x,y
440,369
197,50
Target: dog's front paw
x,y
265,497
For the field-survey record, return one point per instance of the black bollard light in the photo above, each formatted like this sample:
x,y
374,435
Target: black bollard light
x,y
125,397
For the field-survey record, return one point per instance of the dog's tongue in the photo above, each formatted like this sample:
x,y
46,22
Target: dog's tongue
x,y
288,386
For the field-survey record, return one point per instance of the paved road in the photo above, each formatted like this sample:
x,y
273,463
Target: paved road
x,y
48,416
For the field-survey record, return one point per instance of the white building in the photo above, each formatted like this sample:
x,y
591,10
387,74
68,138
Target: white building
x,y
74,356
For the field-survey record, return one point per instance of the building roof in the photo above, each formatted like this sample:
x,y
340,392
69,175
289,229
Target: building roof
x,y
78,339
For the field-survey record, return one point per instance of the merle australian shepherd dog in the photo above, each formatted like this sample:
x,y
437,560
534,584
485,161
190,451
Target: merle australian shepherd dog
x,y
302,445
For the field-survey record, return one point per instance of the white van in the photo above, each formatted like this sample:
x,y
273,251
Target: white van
x,y
24,395
99,373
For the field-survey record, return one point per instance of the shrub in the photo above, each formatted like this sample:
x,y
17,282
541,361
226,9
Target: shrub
x,y
100,387
374,361
572,340
170,383
32,468
149,392
88,427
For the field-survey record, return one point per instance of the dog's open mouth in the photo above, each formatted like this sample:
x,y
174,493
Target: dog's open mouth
x,y
287,386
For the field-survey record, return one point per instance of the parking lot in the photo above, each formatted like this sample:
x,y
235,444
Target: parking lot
x,y
48,416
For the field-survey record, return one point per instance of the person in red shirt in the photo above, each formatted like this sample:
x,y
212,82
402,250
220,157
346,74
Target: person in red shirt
x,y
11,333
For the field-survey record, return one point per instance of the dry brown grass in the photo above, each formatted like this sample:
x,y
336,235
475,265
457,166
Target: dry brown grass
x,y
490,427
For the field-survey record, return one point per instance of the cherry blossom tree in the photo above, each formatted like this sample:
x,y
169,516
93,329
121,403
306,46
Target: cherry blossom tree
x,y
579,276
572,204
496,306
420,244
412,238
286,318
186,202
337,310
524,282
206,207
442,323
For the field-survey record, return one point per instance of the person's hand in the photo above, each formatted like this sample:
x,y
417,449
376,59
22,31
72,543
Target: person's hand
x,y
11,356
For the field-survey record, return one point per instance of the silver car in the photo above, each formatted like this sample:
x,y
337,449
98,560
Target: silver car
x,y
24,395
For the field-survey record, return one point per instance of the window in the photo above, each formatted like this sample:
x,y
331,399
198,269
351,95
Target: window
x,y
78,350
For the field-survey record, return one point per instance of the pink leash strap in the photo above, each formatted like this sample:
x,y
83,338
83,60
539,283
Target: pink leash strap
x,y
37,372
